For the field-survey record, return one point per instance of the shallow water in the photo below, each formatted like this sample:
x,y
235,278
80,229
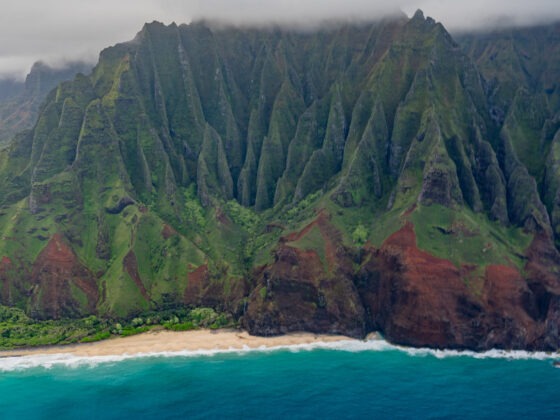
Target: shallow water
x,y
333,380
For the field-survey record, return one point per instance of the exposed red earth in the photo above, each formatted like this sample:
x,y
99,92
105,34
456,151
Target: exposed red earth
x,y
411,296
60,283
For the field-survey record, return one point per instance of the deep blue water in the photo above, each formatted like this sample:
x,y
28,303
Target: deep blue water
x,y
319,383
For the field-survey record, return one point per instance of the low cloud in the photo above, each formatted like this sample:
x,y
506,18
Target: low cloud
x,y
483,14
63,30
298,12
454,14
56,31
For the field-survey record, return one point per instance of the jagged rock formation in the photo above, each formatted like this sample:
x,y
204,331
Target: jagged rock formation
x,y
358,177
20,101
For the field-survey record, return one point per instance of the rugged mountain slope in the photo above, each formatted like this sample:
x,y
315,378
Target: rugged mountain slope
x,y
343,180
20,101
522,73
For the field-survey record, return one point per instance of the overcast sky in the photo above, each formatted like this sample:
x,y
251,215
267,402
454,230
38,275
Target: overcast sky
x,y
60,30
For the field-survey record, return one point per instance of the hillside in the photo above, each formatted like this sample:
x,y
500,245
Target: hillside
x,y
360,177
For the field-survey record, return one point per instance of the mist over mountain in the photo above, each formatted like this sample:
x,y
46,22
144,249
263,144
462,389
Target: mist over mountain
x,y
9,88
40,31
352,178
20,101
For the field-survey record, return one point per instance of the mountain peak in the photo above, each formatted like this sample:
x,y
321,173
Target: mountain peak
x,y
418,15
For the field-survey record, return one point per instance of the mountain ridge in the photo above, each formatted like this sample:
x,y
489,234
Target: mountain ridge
x,y
20,101
293,179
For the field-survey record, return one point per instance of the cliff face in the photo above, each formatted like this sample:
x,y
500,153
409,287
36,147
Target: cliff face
x,y
355,178
20,101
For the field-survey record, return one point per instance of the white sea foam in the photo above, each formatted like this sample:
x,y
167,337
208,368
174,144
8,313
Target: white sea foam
x,y
9,364
382,345
489,354
49,361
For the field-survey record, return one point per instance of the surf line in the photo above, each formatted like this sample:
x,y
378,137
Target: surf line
x,y
18,363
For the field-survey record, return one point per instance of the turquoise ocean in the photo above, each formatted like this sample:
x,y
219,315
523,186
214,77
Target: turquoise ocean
x,y
350,379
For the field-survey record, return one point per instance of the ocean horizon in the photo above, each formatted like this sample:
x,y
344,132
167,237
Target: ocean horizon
x,y
346,379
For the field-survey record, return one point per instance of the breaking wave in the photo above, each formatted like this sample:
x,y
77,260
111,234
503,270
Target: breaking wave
x,y
48,361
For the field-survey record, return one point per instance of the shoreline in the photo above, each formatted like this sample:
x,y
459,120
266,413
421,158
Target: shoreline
x,y
165,342
161,341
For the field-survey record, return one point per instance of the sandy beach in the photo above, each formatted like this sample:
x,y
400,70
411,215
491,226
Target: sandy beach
x,y
168,341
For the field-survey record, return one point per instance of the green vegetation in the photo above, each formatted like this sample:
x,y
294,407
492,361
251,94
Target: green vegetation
x,y
193,210
313,241
360,235
171,176
18,330
20,102
465,237
243,217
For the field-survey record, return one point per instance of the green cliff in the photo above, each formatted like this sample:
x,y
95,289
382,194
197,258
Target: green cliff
x,y
357,177
20,101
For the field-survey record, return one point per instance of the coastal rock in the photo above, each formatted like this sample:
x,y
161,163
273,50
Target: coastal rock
x,y
308,287
412,297
416,299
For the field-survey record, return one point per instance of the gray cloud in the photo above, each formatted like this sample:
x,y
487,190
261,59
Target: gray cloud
x,y
61,30
454,14
287,11
460,15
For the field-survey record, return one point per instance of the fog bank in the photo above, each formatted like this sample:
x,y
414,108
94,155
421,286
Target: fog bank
x,y
57,31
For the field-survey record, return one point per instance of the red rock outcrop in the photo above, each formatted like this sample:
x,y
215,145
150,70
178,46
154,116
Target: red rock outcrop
x,y
205,290
61,285
301,292
131,267
197,281
543,278
167,232
411,296
417,299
